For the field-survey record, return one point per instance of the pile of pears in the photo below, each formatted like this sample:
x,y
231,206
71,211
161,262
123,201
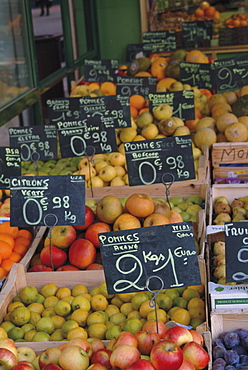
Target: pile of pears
x,y
224,211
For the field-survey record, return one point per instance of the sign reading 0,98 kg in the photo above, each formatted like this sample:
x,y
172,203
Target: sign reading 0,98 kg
x,y
130,257
148,160
236,243
49,201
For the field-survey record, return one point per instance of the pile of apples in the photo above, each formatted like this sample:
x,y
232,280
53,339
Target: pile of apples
x,y
176,348
5,203
77,247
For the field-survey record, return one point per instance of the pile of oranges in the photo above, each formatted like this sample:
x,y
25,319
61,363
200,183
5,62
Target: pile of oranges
x,y
138,105
236,20
206,12
14,243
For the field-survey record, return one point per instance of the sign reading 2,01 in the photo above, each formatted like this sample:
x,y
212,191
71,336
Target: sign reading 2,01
x,y
47,201
149,160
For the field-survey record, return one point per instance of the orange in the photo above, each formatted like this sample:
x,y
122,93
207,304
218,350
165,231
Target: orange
x,y
181,316
166,82
191,124
6,228
5,249
134,112
143,110
199,13
196,56
7,239
143,74
206,92
210,12
16,257
1,258
24,241
108,88
137,101
7,264
2,273
220,105
20,249
94,86
25,234
158,68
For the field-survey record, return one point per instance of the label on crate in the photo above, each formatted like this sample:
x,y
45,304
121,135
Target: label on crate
x,y
10,165
47,201
131,85
236,242
35,142
196,33
101,70
80,126
158,41
231,73
157,160
166,255
182,103
199,75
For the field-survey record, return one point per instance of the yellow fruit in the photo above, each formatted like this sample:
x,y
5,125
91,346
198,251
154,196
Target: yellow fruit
x,y
80,302
112,309
205,122
117,318
48,289
57,335
7,325
27,327
225,120
236,132
145,308
77,333
127,134
63,292
48,312
161,315
13,305
16,333
34,318
67,326
205,136
99,302
138,299
200,288
126,297
97,330
190,293
45,324
80,316
196,302
132,325
95,317
104,291
3,333
20,315
41,336
29,335
79,289
58,321
181,316
28,294
197,313
36,307
62,308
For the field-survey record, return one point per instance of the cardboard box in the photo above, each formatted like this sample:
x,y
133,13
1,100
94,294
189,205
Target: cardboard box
x,y
229,297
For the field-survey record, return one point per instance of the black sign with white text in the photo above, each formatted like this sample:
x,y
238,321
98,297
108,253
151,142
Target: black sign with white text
x,y
101,70
131,85
10,165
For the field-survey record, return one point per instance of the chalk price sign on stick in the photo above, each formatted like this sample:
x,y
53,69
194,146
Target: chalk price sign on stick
x,y
41,140
131,85
101,70
10,165
236,243
60,199
130,257
148,160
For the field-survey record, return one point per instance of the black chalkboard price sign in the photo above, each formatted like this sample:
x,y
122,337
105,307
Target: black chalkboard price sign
x,y
131,85
132,50
10,165
158,41
47,201
231,73
197,33
101,70
130,257
189,33
200,75
80,126
148,160
35,142
236,243
182,102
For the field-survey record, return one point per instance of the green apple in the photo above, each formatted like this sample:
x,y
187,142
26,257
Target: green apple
x,y
185,215
91,203
196,199
176,200
184,205
144,119
160,198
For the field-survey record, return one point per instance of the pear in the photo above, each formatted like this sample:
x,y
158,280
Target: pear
x,y
239,210
219,260
184,205
219,248
221,199
239,217
237,203
220,271
244,199
246,206
193,209
221,208
196,199
176,200
222,218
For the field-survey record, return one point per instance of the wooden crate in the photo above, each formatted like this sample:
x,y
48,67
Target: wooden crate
x,y
225,320
224,154
31,251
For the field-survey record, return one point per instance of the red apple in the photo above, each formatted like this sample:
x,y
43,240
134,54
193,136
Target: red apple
x,y
7,359
153,326
25,353
26,363
53,256
9,344
93,230
124,356
62,236
22,367
89,219
68,268
52,367
196,354
178,335
74,357
82,253
197,337
49,356
40,268
102,356
95,266
166,355
126,338
141,365
186,365
146,340
96,344
96,367
82,343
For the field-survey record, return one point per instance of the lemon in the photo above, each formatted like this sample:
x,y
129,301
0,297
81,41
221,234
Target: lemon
x,y
181,316
48,312
172,293
126,308
46,325
3,333
112,309
135,314
117,318
161,315
80,316
7,325
69,298
41,336
58,321
13,305
126,297
50,301
49,289
62,308
29,335
164,301
195,322
57,335
190,293
16,333
77,333
113,332
196,302
116,301
28,294
79,289
40,298
67,326
95,317
7,317
104,291
36,307
34,318
20,315
95,291
80,302
180,302
132,325
27,327
97,330
99,302
146,307
138,299
16,298
63,292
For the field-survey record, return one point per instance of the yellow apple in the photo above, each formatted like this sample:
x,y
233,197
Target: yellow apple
x,y
125,222
107,173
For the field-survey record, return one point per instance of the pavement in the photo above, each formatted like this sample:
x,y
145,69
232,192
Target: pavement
x,y
47,25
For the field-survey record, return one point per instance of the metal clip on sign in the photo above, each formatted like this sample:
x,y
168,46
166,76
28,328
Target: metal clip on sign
x,y
35,160
50,234
168,179
155,292
89,153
